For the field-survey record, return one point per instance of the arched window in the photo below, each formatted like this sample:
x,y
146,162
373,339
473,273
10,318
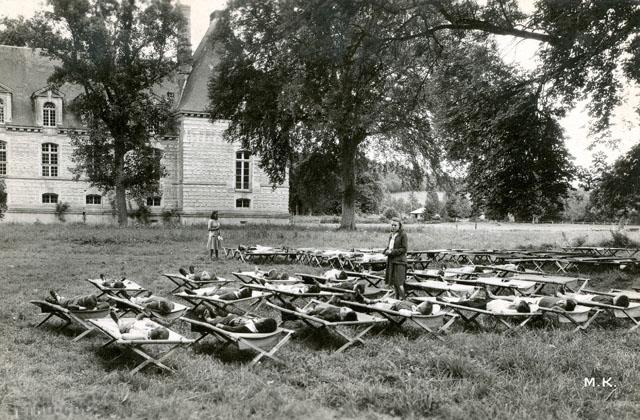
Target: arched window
x,y
243,172
49,114
94,199
49,198
1,111
49,159
3,158
243,203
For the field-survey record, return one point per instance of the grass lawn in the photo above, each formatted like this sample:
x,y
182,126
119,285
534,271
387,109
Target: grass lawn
x,y
400,373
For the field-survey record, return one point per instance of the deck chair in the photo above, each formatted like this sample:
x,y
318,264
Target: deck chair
x,y
256,299
632,312
110,329
76,317
438,288
513,321
265,344
281,294
361,326
258,277
181,281
432,324
128,306
130,287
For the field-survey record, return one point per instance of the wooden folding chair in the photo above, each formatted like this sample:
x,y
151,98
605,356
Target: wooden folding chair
x,y
361,326
127,306
256,300
433,324
181,281
130,287
77,317
265,344
110,329
513,321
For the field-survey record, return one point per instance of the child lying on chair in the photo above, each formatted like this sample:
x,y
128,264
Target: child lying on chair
x,y
222,293
619,300
192,275
321,310
239,323
498,306
402,306
77,302
297,288
155,303
139,329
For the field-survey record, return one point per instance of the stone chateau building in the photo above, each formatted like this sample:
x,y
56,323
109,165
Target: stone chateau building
x,y
205,172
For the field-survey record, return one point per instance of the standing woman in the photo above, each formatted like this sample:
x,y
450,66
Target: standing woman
x,y
213,243
396,253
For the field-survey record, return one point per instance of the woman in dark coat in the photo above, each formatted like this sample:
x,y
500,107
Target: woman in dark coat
x,y
396,252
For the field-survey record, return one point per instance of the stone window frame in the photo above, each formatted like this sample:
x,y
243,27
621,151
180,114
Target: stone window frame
x,y
154,201
243,170
50,169
50,198
93,199
240,203
3,158
49,114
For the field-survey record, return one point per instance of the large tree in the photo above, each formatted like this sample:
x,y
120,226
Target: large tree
x,y
118,52
504,131
311,74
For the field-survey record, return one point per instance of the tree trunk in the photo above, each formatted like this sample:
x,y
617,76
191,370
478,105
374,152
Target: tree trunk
x,y
348,167
121,193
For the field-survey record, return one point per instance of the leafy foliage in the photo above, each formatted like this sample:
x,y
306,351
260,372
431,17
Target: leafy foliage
x,y
118,52
618,192
304,75
504,132
61,210
315,181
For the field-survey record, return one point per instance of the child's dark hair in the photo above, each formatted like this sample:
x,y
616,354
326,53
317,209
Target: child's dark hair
x,y
214,215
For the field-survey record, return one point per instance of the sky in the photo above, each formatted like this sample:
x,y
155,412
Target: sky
x,y
626,125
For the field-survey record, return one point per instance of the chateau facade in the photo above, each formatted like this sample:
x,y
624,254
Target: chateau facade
x,y
204,172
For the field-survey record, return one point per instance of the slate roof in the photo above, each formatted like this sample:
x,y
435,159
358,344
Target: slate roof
x,y
195,96
24,71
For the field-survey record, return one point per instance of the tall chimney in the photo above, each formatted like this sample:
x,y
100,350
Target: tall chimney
x,y
185,59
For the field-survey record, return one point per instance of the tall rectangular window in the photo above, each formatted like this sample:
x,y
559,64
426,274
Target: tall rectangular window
x,y
3,158
243,165
1,111
49,114
49,159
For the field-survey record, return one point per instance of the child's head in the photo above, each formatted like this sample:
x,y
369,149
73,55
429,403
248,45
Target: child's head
x,y
159,333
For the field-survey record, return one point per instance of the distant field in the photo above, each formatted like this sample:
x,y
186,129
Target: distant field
x,y
400,373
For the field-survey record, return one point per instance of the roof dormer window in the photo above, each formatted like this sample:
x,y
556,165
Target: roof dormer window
x,y
49,114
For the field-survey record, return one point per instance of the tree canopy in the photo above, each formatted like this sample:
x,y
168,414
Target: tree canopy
x,y
119,53
312,75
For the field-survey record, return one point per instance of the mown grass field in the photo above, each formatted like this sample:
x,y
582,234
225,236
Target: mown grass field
x,y
400,373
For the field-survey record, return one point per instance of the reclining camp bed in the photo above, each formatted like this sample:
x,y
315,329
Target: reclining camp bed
x,y
633,295
258,277
127,306
573,284
256,299
76,317
373,279
130,287
181,281
580,316
281,293
361,326
432,324
265,344
512,320
437,288
632,312
343,286
109,328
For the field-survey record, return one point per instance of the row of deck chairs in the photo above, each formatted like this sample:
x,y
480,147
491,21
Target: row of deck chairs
x,y
447,286
98,320
565,260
